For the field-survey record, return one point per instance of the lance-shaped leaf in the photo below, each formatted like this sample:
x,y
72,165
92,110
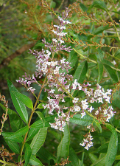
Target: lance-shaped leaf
x,y
112,73
85,121
13,146
28,153
72,58
35,161
97,123
15,136
81,71
116,99
74,158
45,155
38,140
24,99
63,148
99,4
19,105
100,29
35,127
112,146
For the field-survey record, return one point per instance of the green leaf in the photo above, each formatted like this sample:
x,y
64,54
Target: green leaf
x,y
84,8
24,99
102,148
39,124
28,153
33,132
80,73
96,123
112,146
100,161
63,148
112,73
101,29
100,71
16,136
13,146
99,4
100,55
93,157
41,116
40,106
19,106
117,157
106,62
116,99
35,161
118,164
38,140
52,4
72,58
74,158
85,121
45,155
117,53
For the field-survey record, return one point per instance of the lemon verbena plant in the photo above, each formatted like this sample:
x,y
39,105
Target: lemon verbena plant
x,y
69,101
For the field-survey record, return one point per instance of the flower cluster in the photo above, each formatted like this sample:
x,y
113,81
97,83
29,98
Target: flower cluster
x,y
61,86
87,142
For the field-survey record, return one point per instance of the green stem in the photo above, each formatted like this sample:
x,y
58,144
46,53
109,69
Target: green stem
x,y
84,56
7,163
117,130
34,108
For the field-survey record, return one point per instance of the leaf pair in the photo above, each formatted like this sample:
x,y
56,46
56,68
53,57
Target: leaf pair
x,y
20,102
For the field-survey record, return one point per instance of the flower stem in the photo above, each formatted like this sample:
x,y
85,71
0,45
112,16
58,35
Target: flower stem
x,y
34,108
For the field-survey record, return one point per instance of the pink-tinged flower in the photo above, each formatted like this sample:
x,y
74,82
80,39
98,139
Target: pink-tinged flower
x,y
87,143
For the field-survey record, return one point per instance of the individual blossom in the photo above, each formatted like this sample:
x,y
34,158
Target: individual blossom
x,y
75,100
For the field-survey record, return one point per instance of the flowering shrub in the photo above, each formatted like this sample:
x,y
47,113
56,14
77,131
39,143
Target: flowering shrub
x,y
70,99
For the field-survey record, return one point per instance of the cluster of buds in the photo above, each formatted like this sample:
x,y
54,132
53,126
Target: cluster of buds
x,y
4,116
61,86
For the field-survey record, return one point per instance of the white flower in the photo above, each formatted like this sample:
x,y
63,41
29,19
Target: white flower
x,y
113,62
100,100
52,91
62,60
84,104
75,100
61,41
75,84
54,40
83,114
59,27
97,112
90,109
65,22
76,108
56,71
